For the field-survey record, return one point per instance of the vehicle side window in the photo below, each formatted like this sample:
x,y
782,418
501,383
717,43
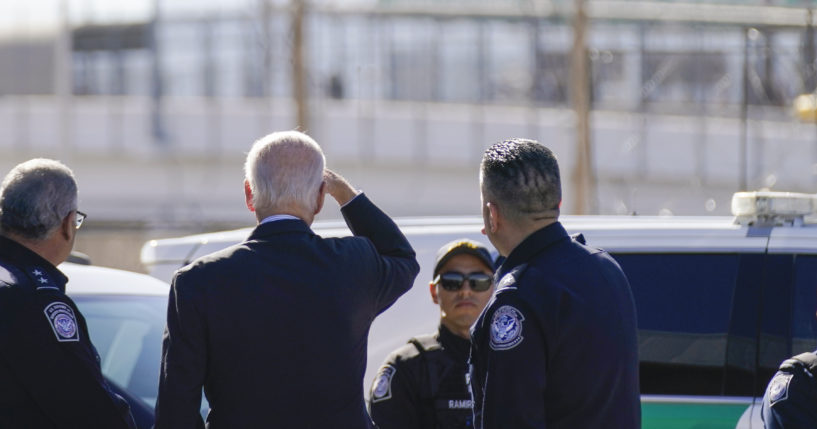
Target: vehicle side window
x,y
804,320
788,305
127,333
684,306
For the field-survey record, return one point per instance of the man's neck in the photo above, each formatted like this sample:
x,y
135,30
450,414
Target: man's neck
x,y
45,248
460,331
300,214
516,234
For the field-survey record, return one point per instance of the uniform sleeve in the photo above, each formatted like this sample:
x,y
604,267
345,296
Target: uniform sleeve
x,y
789,402
511,362
65,388
183,363
396,263
394,400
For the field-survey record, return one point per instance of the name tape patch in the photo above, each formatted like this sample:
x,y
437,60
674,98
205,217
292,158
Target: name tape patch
x,y
506,328
382,385
62,320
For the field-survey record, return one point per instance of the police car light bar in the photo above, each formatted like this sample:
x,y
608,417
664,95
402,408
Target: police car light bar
x,y
773,208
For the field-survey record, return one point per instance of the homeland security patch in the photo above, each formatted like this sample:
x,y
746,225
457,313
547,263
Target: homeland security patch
x,y
779,388
382,386
506,328
62,320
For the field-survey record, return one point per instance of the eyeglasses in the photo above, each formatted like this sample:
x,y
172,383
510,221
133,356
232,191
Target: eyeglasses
x,y
79,219
452,281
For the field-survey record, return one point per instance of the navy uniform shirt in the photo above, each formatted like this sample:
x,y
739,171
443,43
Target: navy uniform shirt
x,y
790,401
422,385
556,347
49,371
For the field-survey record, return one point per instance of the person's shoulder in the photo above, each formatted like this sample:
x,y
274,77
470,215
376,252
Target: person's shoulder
x,y
802,365
351,251
10,278
7,277
225,256
13,293
574,258
413,349
346,242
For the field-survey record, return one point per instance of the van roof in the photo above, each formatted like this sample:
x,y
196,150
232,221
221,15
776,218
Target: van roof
x,y
622,234
92,280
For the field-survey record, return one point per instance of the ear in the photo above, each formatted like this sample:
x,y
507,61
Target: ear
x,y
494,217
321,197
248,195
433,289
67,228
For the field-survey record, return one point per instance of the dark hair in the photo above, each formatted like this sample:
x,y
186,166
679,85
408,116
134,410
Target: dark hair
x,y
522,176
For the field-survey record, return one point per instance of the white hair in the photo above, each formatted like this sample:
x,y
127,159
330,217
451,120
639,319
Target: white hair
x,y
284,169
35,197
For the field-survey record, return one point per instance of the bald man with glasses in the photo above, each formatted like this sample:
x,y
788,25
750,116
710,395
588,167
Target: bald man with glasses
x,y
422,385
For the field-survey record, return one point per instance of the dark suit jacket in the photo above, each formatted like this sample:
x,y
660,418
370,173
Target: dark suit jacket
x,y
276,328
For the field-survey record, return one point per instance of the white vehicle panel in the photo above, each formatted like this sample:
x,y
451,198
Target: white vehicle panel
x,y
88,279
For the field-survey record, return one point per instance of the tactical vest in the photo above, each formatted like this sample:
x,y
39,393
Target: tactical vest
x,y
447,389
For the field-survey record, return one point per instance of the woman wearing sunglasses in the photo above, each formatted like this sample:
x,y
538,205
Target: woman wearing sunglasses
x,y
423,384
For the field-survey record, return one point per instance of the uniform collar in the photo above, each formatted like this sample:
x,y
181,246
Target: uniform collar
x,y
42,274
531,246
455,344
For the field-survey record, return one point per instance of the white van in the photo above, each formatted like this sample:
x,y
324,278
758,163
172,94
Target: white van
x,y
721,301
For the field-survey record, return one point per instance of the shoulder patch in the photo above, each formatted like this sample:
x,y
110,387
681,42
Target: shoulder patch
x,y
63,322
381,390
779,388
506,328
507,281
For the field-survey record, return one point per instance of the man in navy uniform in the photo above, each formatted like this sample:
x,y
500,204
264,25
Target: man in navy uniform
x,y
49,371
422,385
790,401
556,346
275,328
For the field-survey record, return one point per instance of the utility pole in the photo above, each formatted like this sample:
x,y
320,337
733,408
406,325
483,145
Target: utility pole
x,y
583,174
299,77
157,88
743,151
63,81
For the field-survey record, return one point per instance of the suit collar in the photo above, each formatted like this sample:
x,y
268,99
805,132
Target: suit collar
x,y
279,227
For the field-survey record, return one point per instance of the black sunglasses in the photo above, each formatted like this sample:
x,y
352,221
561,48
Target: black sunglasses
x,y
452,281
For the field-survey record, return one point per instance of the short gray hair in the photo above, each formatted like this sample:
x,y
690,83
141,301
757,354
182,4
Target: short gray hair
x,y
284,168
522,176
35,197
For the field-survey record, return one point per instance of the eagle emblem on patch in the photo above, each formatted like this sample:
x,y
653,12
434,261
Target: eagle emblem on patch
x,y
63,322
506,328
779,388
381,390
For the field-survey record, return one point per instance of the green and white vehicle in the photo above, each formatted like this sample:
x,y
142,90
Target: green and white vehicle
x,y
721,301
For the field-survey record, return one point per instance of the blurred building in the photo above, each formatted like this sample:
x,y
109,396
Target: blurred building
x,y
691,100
